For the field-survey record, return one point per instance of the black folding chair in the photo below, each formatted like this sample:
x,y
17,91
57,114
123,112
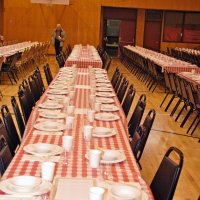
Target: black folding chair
x,y
164,183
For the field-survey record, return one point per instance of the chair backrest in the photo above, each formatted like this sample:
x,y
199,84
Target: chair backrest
x,y
4,132
18,116
122,90
173,82
60,60
191,94
118,83
34,88
135,143
37,71
36,78
183,85
166,178
49,72
10,127
146,126
167,82
115,77
108,63
128,100
28,93
25,107
5,154
137,115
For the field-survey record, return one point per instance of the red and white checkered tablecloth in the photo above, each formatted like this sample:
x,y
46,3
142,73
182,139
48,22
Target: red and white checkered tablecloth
x,y
86,56
193,78
78,166
179,69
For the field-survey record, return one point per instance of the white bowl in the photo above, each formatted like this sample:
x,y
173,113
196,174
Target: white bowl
x,y
25,183
125,192
110,155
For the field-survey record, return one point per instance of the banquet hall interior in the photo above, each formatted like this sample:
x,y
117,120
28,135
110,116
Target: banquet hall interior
x,y
124,89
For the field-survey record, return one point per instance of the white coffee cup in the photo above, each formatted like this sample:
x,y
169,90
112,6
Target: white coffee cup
x,y
67,141
69,122
96,193
94,158
70,110
97,106
91,114
47,170
87,132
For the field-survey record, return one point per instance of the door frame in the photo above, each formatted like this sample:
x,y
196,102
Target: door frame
x,y
161,30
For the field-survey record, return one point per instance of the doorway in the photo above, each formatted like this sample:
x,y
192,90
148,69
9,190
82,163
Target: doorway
x,y
118,29
152,30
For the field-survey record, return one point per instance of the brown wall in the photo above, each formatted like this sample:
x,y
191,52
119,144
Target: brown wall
x,y
1,16
81,20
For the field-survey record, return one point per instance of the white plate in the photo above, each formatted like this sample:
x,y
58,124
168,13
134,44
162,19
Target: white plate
x,y
105,94
50,126
103,85
102,81
43,149
60,86
103,132
56,97
104,100
106,117
57,91
109,108
24,183
104,89
50,105
125,192
115,156
52,115
43,188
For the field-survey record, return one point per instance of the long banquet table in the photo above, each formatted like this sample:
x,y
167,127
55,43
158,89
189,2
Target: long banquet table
x,y
163,61
84,56
78,166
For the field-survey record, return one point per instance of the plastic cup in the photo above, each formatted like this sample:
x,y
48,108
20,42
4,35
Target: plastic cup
x,y
94,158
67,142
87,132
47,170
96,193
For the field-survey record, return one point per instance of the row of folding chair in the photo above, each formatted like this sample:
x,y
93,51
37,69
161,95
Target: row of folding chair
x,y
144,69
141,132
185,56
166,178
29,93
106,59
187,95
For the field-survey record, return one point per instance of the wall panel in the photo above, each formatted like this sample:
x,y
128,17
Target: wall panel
x,y
81,20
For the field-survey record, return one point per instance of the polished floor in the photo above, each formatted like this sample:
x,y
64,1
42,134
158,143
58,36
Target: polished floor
x,y
165,133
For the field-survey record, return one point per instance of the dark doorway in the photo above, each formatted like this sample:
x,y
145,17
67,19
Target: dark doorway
x,y
118,28
152,30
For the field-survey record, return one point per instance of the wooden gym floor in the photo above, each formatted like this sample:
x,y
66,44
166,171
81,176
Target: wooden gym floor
x,y
165,132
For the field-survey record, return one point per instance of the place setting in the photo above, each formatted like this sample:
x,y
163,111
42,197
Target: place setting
x,y
49,114
20,187
105,100
57,91
105,94
50,105
109,108
108,117
104,89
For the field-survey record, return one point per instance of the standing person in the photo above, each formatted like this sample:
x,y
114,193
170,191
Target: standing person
x,y
58,38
